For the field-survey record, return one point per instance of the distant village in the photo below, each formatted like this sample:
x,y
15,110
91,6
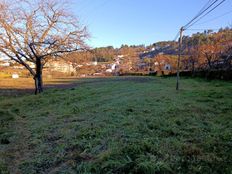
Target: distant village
x,y
142,63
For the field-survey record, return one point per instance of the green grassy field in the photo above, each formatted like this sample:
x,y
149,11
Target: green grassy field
x,y
119,125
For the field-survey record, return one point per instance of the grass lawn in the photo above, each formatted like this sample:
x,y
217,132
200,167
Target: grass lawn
x,y
119,125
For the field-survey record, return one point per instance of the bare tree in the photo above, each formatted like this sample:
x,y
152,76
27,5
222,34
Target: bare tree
x,y
31,32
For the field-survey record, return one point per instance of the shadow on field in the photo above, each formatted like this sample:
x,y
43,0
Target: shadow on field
x,y
20,88
14,92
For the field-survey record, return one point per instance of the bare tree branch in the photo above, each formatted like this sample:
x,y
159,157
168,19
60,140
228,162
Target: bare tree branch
x,y
35,31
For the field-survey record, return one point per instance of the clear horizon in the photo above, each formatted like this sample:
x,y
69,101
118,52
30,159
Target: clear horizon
x,y
113,23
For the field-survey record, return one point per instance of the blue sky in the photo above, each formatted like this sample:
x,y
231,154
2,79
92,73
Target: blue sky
x,y
134,22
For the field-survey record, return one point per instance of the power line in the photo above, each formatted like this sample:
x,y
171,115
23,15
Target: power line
x,y
204,7
199,14
202,11
224,14
206,14
176,37
197,29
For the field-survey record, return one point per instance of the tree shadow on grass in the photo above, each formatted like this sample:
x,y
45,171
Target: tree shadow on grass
x,y
69,83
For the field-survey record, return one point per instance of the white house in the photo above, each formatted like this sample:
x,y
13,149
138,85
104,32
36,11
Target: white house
x,y
92,63
60,66
109,70
5,64
15,76
121,56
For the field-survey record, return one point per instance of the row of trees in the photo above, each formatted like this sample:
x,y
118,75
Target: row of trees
x,y
208,51
106,54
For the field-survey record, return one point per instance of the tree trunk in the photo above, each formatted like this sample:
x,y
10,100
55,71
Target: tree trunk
x,y
38,77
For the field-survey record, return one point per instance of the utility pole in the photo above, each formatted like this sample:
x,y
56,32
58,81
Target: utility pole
x,y
179,57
